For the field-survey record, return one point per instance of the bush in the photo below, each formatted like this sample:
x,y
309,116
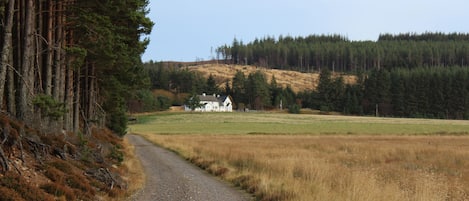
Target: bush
x,y
163,102
116,154
58,190
294,109
9,195
324,109
49,107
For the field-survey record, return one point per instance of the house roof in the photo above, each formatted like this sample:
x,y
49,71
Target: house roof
x,y
212,98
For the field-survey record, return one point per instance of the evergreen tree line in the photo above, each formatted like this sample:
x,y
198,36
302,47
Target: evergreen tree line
x,y
70,64
337,53
421,92
426,92
175,79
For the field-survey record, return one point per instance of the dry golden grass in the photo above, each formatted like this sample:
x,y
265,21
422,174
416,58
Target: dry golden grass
x,y
296,80
307,167
134,175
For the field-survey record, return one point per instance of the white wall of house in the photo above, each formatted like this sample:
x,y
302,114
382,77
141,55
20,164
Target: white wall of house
x,y
214,106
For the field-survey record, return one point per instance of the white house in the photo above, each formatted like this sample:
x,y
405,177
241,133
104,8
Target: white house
x,y
213,103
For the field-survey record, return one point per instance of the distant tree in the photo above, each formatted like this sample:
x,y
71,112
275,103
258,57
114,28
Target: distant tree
x,y
211,85
324,89
294,109
228,90
238,87
193,102
257,91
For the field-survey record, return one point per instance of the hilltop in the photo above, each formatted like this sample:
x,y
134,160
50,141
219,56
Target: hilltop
x,y
297,81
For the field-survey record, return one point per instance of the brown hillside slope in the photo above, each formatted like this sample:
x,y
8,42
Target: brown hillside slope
x,y
61,166
296,80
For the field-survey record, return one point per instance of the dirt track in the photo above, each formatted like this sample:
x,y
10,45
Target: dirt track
x,y
168,177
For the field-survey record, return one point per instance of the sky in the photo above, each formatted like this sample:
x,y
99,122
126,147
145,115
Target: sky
x,y
189,30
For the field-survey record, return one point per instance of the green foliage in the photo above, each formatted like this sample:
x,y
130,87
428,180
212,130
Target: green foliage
x,y
110,33
294,109
330,92
49,107
176,79
257,91
239,88
163,103
117,154
77,56
211,86
419,92
337,53
193,102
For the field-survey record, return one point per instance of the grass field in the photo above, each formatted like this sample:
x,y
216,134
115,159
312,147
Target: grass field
x,y
274,123
310,157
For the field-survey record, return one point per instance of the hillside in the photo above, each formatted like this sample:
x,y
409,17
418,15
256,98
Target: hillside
x,y
296,80
61,166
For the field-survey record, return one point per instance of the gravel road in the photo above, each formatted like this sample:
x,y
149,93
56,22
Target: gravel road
x,y
169,177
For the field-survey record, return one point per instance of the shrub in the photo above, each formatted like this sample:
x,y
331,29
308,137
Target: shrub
x,y
324,109
27,192
116,154
294,109
54,174
58,190
49,107
9,195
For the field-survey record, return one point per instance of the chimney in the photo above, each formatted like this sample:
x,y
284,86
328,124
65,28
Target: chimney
x,y
203,94
214,95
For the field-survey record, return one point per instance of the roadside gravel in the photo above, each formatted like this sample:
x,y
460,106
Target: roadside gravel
x,y
169,177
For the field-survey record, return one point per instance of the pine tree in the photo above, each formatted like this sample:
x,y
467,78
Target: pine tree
x,y
211,85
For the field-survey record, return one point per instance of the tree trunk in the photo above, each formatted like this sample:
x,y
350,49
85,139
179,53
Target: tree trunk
x,y
59,71
50,50
69,97
11,90
76,102
24,109
6,49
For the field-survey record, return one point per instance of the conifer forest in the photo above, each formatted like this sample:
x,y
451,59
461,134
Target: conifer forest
x,y
68,64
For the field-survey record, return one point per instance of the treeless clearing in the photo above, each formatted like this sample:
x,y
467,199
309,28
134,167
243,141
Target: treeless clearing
x,y
333,167
296,80
399,165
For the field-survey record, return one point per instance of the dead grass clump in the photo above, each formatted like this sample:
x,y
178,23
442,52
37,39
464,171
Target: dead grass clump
x,y
248,183
63,174
8,194
133,173
105,135
58,191
62,166
201,162
218,171
54,174
79,182
26,190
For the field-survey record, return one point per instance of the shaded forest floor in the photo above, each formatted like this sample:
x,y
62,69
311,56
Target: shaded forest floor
x,y
62,166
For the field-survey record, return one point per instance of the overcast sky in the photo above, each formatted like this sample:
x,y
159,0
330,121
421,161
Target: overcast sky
x,y
186,30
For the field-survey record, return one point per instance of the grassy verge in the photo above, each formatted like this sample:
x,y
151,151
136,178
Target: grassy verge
x,y
305,165
134,174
